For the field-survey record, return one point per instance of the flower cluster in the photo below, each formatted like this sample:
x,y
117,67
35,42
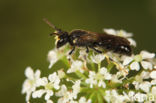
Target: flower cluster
x,y
95,78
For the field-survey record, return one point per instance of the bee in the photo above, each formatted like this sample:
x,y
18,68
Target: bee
x,y
91,40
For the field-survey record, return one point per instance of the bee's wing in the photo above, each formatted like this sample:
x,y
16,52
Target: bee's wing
x,y
112,39
90,37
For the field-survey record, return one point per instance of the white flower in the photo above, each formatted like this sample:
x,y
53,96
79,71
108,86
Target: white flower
x,y
98,78
127,60
153,74
83,100
52,57
29,84
105,74
91,80
146,65
122,33
145,86
61,73
113,97
97,58
76,66
135,66
132,42
147,55
65,96
115,77
140,97
131,94
83,55
140,84
142,58
55,54
49,101
153,90
76,88
62,91
101,84
54,83
38,93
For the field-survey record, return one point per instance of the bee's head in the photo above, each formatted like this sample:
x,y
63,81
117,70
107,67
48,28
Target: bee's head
x,y
61,36
62,39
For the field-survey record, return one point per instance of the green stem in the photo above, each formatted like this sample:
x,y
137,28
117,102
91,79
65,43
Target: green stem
x,y
81,75
65,61
93,66
99,67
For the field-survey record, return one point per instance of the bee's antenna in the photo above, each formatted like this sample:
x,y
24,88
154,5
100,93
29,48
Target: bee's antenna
x,y
52,26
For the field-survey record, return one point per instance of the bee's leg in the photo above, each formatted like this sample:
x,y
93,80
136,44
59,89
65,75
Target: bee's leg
x,y
72,50
96,50
87,49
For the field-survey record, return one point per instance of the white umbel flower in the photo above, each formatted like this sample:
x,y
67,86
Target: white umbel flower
x,y
52,57
65,95
153,74
98,78
97,58
49,101
61,73
76,88
140,97
49,86
145,86
147,55
76,66
142,58
29,84
135,66
84,100
105,74
91,80
55,54
153,90
112,96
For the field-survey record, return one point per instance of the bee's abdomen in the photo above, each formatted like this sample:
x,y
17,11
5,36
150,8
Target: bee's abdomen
x,y
116,44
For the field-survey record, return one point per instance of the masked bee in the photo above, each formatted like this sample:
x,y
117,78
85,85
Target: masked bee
x,y
92,40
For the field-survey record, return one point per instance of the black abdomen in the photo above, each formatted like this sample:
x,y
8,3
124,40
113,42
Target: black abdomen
x,y
116,44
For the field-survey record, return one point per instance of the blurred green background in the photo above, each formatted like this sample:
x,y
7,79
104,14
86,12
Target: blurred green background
x,y
24,38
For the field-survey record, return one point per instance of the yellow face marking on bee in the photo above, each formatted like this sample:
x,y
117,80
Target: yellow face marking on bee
x,y
74,41
57,39
56,32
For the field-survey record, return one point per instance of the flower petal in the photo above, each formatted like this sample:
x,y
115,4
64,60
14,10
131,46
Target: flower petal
x,y
110,31
42,81
29,73
48,94
145,86
37,74
153,90
38,93
52,57
132,42
147,55
146,65
153,74
135,66
127,60
49,101
97,58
